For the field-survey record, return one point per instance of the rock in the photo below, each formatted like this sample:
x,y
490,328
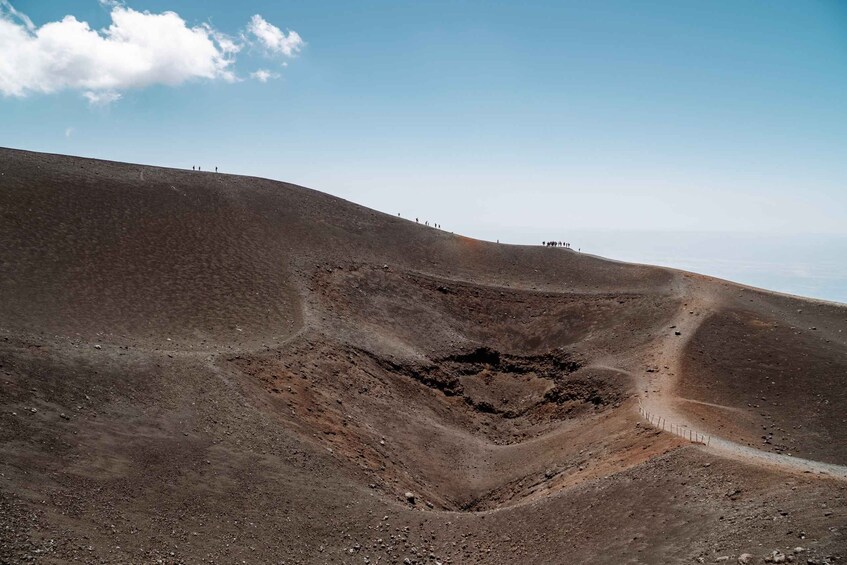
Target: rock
x,y
745,558
410,497
677,333
799,549
722,559
776,556
97,346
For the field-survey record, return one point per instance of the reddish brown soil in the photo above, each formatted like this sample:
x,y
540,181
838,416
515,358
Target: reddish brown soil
x,y
208,368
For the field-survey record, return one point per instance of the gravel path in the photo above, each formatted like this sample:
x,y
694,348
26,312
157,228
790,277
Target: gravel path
x,y
657,396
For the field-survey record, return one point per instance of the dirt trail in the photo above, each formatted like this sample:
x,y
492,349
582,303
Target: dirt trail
x,y
657,390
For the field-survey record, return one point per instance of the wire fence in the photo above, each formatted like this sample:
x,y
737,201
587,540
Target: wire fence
x,y
676,429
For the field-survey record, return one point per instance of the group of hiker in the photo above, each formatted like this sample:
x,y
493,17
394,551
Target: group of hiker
x,y
197,168
564,244
426,222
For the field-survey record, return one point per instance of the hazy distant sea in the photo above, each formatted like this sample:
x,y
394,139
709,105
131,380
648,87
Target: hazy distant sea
x,y
806,265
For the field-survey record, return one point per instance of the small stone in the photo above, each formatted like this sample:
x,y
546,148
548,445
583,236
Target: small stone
x,y
745,559
776,556
97,346
410,497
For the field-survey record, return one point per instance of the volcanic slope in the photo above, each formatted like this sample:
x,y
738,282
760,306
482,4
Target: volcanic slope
x,y
199,367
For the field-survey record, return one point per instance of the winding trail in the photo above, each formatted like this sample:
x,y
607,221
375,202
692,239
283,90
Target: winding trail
x,y
657,389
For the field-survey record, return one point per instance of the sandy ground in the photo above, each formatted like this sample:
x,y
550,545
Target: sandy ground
x,y
208,368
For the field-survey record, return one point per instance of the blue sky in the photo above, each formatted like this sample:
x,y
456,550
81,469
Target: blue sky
x,y
495,119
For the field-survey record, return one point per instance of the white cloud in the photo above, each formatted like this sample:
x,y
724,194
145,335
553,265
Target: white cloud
x,y
101,98
69,132
138,49
263,75
5,5
274,39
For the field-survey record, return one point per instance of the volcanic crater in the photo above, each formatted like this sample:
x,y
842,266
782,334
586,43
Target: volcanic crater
x,y
200,367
